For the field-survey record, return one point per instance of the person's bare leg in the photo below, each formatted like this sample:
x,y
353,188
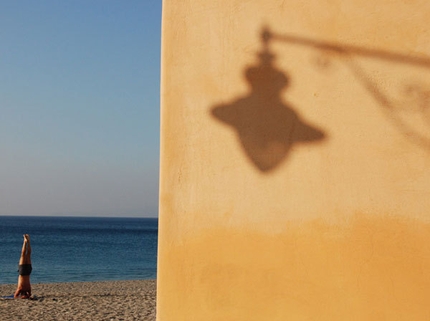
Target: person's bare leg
x,y
25,251
28,253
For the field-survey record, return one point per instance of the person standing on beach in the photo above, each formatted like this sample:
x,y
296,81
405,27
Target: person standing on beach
x,y
23,289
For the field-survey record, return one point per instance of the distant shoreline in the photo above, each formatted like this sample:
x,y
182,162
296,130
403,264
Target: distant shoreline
x,y
80,216
35,284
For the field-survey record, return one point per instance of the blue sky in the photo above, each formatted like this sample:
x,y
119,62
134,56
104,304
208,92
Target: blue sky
x,y
79,107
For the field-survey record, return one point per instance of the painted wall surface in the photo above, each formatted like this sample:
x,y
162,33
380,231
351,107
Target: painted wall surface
x,y
295,160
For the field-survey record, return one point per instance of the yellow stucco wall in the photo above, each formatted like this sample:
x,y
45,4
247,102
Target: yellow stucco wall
x,y
295,160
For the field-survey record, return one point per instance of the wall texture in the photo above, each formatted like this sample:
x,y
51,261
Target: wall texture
x,y
295,160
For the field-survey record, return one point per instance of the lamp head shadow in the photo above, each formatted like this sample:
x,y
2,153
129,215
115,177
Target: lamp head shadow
x,y
267,128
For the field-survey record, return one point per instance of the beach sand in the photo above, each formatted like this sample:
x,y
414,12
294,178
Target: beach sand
x,y
113,300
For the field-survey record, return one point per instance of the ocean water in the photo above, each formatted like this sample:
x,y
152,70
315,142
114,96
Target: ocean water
x,y
73,249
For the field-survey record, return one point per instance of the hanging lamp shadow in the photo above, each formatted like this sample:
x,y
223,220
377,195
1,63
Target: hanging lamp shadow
x,y
266,126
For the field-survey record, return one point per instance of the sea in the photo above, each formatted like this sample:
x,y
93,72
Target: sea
x,y
80,249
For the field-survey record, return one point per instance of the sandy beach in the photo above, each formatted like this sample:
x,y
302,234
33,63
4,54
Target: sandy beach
x,y
113,300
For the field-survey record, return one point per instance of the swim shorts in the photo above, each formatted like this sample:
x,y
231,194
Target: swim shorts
x,y
24,269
